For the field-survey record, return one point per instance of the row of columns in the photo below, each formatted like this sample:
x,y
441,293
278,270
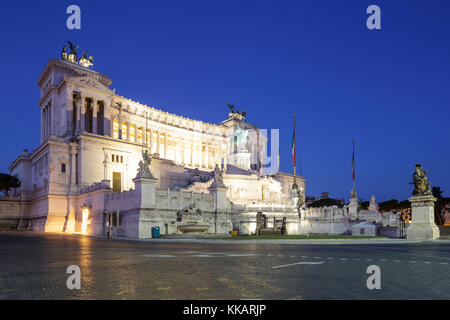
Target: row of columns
x,y
80,123
181,151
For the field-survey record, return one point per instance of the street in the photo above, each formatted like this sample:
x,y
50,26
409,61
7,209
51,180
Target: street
x,y
33,266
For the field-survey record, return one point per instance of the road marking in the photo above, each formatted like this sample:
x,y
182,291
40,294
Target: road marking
x,y
329,258
317,257
384,260
443,263
412,261
203,256
292,264
343,259
241,255
157,256
291,256
396,260
426,262
304,256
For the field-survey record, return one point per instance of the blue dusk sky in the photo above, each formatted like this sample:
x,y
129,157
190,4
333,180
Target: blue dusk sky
x,y
388,89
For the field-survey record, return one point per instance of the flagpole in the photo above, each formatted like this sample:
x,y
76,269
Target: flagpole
x,y
353,170
294,184
293,155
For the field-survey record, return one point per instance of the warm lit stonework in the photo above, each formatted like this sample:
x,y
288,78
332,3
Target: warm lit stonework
x,y
91,145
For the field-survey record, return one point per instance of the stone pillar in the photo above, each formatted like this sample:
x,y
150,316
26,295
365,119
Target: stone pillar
x,y
192,153
120,128
224,158
165,145
183,151
82,113
42,125
69,111
216,155
94,115
422,225
200,153
222,206
150,141
180,158
128,131
73,166
107,119
207,155
158,143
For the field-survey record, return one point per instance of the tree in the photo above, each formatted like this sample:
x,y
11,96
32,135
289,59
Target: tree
x,y
8,182
439,206
437,192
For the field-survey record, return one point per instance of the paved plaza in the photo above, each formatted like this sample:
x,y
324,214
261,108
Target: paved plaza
x,y
33,266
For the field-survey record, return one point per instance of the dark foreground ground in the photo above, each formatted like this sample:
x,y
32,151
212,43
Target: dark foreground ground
x,y
33,266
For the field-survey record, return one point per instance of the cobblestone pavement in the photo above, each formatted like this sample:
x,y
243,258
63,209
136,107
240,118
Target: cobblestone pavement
x,y
33,266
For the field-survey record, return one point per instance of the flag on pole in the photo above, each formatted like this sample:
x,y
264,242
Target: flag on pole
x,y
353,162
293,144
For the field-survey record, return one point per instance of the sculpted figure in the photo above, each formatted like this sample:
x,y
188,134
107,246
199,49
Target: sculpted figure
x,y
144,166
218,177
73,53
420,182
64,53
301,199
231,107
85,62
239,140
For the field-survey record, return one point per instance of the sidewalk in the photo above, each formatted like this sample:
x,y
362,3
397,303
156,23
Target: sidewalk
x,y
445,240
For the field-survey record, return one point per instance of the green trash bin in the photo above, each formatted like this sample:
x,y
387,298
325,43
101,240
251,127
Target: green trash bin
x,y
155,232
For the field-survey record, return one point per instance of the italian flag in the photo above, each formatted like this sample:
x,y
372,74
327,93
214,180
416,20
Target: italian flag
x,y
293,144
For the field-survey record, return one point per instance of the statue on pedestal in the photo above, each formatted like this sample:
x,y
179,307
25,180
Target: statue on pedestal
x,y
239,141
218,178
421,182
144,166
373,206
301,199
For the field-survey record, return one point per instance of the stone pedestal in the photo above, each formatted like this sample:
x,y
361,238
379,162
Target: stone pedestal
x,y
146,192
422,225
240,159
353,208
221,200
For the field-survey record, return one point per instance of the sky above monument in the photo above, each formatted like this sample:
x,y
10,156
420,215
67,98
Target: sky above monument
x,y
387,89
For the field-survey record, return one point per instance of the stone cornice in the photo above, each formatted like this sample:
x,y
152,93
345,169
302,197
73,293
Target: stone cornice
x,y
77,69
177,120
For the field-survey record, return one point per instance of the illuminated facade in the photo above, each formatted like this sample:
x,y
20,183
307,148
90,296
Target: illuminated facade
x,y
91,145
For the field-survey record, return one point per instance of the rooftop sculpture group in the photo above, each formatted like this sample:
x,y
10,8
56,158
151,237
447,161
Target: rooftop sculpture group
x,y
234,114
72,57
